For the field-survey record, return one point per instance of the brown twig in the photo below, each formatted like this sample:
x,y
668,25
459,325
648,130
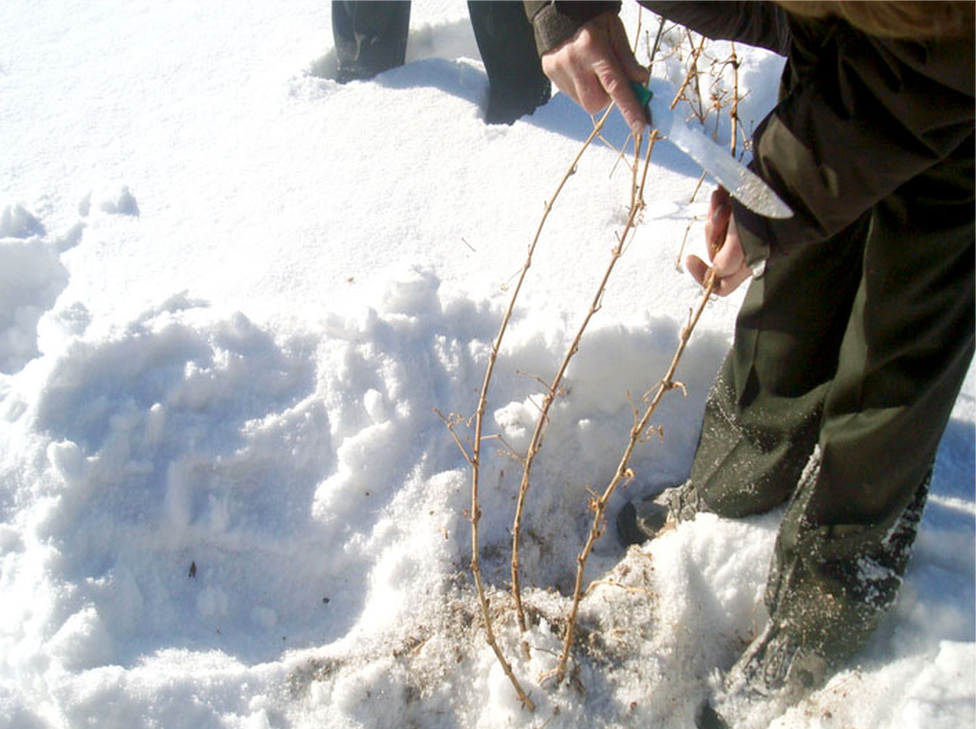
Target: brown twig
x,y
657,43
734,111
697,78
684,242
474,456
692,73
636,205
599,506
613,583
701,179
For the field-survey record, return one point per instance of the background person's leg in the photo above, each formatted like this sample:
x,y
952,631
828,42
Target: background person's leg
x,y
516,83
370,37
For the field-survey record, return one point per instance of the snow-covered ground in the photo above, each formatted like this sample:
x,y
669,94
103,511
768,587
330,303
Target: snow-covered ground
x,y
231,294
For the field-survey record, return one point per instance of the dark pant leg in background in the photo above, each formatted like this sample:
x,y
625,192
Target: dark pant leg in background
x,y
516,83
370,37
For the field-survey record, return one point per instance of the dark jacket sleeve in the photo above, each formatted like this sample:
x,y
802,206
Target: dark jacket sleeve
x,y
858,117
762,24
554,21
754,23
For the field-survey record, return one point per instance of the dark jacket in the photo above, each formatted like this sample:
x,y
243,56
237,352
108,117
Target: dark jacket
x,y
858,115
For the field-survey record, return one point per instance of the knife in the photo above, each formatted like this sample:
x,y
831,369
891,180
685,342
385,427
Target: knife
x,y
742,183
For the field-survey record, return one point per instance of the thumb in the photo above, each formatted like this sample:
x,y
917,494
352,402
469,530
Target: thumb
x,y
697,268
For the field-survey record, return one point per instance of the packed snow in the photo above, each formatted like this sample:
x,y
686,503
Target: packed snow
x,y
233,292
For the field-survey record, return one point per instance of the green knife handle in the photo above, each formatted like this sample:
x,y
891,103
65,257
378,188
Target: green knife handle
x,y
644,96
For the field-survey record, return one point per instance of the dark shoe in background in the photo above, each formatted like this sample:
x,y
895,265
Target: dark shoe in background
x,y
506,106
516,83
370,37
642,521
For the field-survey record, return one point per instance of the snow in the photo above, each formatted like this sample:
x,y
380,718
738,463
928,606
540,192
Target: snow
x,y
231,294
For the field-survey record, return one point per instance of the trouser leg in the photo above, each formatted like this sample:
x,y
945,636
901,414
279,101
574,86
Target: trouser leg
x,y
762,416
370,37
516,83
841,380
847,533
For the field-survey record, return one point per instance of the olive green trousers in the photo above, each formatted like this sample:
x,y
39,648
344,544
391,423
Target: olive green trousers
x,y
847,360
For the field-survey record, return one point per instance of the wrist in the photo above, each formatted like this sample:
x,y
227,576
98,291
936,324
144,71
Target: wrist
x,y
754,237
554,23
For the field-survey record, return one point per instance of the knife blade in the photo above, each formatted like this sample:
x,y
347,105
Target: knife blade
x,y
742,183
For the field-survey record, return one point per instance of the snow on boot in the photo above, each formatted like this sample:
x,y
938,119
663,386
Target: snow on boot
x,y
775,672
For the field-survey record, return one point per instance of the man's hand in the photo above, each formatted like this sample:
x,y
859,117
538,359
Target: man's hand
x,y
724,248
596,66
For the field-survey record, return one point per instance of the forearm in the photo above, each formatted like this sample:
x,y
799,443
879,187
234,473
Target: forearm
x,y
556,22
762,24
